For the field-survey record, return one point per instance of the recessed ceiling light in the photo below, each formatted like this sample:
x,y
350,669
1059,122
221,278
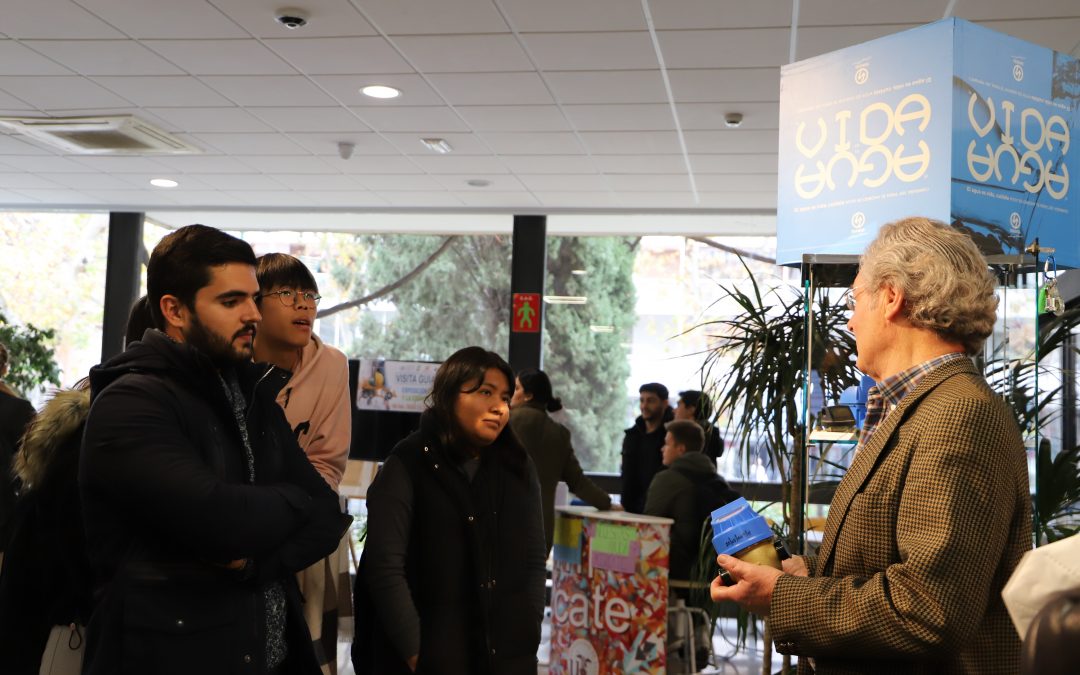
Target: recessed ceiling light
x,y
565,299
163,182
380,91
438,145
478,182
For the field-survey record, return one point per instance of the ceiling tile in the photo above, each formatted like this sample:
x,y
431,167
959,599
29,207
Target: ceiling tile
x,y
136,199
421,119
730,84
18,59
269,90
345,199
122,164
310,119
221,57
314,182
981,10
739,201
744,48
711,115
463,53
422,17
592,51
178,91
284,198
56,19
327,144
497,183
238,181
333,56
655,200
514,118
631,143
60,92
46,164
617,164
492,88
668,182
346,89
498,199
548,143
104,57
196,120
761,182
326,18
204,198
734,140
58,196
251,144
565,183
691,14
377,164
821,40
576,200
418,182
466,164
287,164
164,19
608,86
461,144
418,200
529,16
204,164
538,164
621,117
11,144
14,181
854,12
89,181
756,163
9,197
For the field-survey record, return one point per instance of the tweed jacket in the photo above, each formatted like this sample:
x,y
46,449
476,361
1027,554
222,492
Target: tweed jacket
x,y
923,532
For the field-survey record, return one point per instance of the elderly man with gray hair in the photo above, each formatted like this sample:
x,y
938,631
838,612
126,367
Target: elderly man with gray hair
x,y
934,513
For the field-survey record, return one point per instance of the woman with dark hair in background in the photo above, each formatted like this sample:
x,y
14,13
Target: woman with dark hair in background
x,y
696,405
548,443
452,576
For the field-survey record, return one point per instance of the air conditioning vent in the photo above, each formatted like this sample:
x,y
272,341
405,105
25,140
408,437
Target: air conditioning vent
x,y
111,135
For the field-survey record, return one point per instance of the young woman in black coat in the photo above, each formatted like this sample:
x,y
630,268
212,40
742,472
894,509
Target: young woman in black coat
x,y
452,576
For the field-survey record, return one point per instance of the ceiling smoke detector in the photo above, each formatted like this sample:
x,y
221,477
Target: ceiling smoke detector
x,y
733,119
291,18
107,135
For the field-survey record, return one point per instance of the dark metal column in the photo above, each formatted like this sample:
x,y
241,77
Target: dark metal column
x,y
527,271
121,278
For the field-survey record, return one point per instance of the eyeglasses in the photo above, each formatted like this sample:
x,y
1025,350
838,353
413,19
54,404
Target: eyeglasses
x,y
849,298
290,298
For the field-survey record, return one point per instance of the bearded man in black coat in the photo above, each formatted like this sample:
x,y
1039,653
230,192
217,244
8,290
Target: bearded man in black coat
x,y
199,506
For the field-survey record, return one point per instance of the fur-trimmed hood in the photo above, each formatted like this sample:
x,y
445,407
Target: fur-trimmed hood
x,y
61,417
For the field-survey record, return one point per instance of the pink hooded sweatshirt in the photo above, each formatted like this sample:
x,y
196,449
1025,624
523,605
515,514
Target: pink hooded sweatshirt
x,y
317,404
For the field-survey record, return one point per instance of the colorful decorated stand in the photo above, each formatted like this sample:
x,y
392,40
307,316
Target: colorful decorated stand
x,y
609,592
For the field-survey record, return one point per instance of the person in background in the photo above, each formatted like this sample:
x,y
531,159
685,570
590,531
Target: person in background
x,y
199,506
452,576
696,405
15,413
46,586
641,458
687,492
317,404
548,444
934,513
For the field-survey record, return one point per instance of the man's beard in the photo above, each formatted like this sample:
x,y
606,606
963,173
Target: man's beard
x,y
220,351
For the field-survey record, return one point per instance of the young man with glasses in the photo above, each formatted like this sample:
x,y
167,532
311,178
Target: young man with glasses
x,y
318,407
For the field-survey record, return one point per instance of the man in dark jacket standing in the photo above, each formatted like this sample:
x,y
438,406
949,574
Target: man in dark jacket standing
x,y
199,506
641,446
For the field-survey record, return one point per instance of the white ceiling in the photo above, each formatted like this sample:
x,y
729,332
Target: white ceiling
x,y
563,105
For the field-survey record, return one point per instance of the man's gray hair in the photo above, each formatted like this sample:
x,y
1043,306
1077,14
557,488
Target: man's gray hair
x,y
947,285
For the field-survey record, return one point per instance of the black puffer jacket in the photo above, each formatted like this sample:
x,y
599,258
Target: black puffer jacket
x,y
167,503
467,562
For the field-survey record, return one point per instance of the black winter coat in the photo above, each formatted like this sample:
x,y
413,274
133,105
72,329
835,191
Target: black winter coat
x,y
15,414
473,563
641,460
167,503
